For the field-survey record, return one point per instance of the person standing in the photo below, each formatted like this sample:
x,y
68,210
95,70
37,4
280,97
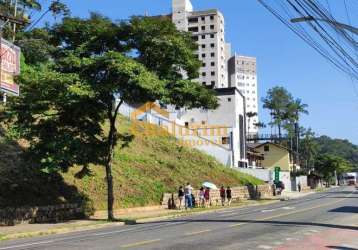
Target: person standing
x,y
188,198
181,197
299,187
228,195
207,197
201,197
222,195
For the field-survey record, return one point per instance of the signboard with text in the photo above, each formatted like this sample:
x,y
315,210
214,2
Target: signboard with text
x,y
277,174
10,67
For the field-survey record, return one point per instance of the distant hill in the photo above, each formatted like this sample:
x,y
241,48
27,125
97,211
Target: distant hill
x,y
338,147
142,172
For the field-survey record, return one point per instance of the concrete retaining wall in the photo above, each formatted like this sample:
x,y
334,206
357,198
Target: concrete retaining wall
x,y
13,216
238,193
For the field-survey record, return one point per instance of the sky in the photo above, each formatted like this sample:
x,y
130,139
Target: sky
x,y
283,59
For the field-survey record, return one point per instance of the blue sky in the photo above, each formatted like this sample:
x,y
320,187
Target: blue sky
x,y
283,59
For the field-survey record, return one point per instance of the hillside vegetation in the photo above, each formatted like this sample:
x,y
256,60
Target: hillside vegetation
x,y
151,164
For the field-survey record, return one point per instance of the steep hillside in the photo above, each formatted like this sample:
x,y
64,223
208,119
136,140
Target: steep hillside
x,y
153,163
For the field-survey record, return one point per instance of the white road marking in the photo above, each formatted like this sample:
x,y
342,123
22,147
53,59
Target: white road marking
x,y
226,211
268,210
27,245
288,208
265,247
223,215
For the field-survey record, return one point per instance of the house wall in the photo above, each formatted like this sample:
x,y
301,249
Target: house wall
x,y
275,157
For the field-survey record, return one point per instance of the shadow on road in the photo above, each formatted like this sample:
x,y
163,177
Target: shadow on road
x,y
346,209
342,248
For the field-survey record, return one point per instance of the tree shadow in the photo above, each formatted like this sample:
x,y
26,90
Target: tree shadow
x,y
24,186
345,209
342,248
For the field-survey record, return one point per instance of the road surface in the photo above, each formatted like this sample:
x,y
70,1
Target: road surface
x,y
326,220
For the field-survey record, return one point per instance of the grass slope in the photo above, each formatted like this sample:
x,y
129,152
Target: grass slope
x,y
153,163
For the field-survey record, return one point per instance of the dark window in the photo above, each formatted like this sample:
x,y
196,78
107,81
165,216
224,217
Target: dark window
x,y
212,73
203,55
242,135
212,27
213,83
186,124
229,99
203,37
212,54
204,83
202,27
212,35
211,17
204,64
193,29
195,38
266,148
203,18
225,140
203,46
193,20
212,63
203,74
212,45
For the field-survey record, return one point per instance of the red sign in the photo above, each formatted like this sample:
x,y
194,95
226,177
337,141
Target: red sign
x,y
10,66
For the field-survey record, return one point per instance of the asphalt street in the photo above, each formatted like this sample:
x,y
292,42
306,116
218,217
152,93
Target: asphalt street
x,y
327,220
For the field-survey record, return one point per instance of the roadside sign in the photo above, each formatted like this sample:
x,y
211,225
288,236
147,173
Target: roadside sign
x,y
277,174
10,67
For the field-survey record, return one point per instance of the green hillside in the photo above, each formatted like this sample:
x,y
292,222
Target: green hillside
x,y
143,171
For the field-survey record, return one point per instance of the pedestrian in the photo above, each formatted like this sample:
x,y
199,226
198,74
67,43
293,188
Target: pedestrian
x,y
222,195
207,197
201,197
228,195
299,187
181,197
188,198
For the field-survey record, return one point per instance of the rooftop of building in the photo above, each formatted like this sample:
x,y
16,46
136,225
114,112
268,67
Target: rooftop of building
x,y
257,145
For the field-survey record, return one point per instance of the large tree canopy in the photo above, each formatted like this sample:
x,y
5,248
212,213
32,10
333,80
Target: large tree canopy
x,y
68,107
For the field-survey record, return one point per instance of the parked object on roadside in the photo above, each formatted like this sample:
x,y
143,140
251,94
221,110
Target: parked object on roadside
x,y
201,197
181,197
222,195
188,190
228,195
280,186
207,197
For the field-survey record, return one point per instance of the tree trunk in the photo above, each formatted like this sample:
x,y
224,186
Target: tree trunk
x,y
279,131
109,177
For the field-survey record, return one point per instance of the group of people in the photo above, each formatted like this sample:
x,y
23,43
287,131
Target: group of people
x,y
188,200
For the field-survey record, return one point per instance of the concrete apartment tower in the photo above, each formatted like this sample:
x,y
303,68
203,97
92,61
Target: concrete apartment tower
x,y
243,75
208,29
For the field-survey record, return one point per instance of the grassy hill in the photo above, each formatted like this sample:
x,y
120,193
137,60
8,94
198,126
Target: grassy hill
x,y
143,171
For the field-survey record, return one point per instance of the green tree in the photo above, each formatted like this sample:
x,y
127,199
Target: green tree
x,y
69,104
308,149
327,165
277,100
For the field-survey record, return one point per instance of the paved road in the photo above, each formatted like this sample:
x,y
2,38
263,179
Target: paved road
x,y
320,221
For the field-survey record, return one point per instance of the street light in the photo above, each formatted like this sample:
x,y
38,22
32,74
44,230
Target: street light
x,y
311,18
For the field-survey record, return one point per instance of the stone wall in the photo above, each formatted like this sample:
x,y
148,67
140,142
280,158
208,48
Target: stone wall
x,y
238,193
47,214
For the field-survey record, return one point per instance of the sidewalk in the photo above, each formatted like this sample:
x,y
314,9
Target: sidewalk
x,y
98,220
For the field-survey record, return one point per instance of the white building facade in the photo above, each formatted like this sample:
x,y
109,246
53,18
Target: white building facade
x,y
208,29
242,71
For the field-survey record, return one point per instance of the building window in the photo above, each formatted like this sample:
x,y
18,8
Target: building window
x,y
212,35
203,46
225,140
202,27
204,83
213,83
212,54
203,37
195,38
203,18
212,63
212,27
187,124
212,73
212,45
193,29
203,55
203,73
204,64
266,148
229,99
193,20
211,17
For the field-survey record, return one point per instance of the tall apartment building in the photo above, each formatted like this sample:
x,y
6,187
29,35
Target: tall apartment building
x,y
208,29
243,75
